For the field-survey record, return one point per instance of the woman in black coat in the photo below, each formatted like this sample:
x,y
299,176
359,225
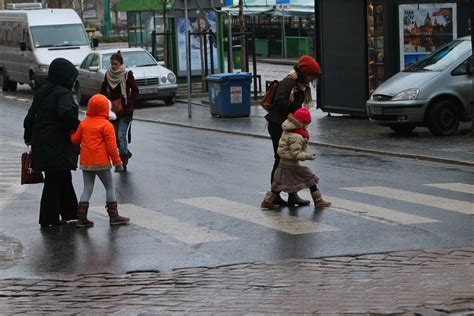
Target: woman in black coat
x,y
48,124
292,93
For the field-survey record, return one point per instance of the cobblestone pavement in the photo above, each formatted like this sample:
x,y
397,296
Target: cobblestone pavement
x,y
434,282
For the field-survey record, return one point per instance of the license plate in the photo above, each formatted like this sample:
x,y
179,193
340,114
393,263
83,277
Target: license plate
x,y
375,110
148,90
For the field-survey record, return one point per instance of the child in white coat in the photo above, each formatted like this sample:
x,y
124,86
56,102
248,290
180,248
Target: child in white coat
x,y
290,176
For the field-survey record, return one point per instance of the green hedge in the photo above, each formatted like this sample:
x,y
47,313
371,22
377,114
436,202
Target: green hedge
x,y
113,39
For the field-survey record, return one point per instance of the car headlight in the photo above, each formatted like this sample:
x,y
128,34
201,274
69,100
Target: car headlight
x,y
43,68
410,94
171,77
163,79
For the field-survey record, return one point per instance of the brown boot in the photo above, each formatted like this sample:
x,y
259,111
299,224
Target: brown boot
x,y
115,218
318,199
269,201
82,220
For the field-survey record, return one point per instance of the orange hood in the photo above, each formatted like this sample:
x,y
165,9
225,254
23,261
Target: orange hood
x,y
98,105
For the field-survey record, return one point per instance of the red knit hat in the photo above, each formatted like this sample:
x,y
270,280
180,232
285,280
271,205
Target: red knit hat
x,y
302,115
308,65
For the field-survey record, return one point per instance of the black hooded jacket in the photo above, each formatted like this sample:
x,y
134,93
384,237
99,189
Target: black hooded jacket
x,y
50,119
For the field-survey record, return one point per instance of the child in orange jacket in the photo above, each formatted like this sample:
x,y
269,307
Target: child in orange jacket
x,y
96,136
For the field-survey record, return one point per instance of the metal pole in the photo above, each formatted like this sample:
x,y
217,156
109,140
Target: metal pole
x,y
211,44
254,64
230,66
471,133
283,33
188,54
153,44
107,21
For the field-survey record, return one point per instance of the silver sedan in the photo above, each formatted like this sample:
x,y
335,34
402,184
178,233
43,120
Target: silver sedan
x,y
154,81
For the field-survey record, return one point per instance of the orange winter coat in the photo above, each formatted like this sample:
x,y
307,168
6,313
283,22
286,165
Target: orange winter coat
x,y
96,136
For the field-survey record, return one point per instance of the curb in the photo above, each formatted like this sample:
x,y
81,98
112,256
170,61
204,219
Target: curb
x,y
327,145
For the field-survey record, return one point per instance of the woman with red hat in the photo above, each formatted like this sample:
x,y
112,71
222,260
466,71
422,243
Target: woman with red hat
x,y
290,176
293,92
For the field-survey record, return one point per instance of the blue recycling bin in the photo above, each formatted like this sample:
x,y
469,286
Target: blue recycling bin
x,y
229,94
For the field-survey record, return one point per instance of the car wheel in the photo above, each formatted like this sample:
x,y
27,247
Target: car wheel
x,y
403,129
8,85
443,118
33,84
80,99
169,101
12,85
2,83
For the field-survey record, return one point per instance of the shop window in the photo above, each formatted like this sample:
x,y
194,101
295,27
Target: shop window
x,y
375,31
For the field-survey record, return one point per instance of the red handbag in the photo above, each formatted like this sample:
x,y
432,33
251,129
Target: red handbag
x,y
29,175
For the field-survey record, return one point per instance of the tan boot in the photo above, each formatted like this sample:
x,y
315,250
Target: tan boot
x,y
82,220
115,218
269,201
318,199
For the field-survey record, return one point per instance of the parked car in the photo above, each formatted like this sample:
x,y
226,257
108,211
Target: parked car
x,y
436,91
154,81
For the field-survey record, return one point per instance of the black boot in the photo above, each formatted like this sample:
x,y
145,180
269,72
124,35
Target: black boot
x,y
278,200
294,199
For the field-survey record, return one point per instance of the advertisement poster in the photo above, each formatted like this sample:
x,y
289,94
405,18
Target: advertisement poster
x,y
424,28
197,24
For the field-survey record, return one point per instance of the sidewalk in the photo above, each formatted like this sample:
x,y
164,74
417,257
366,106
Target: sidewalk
x,y
435,282
335,131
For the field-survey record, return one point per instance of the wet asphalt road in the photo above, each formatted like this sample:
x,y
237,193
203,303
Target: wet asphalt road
x,y
183,182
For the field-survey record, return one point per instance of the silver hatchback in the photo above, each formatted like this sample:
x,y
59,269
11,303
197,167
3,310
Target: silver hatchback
x,y
154,81
436,92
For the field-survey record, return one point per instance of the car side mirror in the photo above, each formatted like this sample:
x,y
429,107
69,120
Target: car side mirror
x,y
23,46
94,68
95,42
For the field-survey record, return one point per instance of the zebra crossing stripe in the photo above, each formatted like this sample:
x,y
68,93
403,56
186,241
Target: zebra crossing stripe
x,y
418,198
268,218
371,212
459,187
167,225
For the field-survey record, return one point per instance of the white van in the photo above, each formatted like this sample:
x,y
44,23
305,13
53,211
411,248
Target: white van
x,y
31,39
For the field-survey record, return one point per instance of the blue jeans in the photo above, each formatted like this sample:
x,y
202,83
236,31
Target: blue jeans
x,y
121,125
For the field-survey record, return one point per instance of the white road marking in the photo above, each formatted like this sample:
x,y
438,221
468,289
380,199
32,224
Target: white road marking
x,y
268,218
371,212
459,187
418,198
167,225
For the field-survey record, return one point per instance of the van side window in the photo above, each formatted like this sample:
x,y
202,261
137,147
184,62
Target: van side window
x,y
460,70
26,38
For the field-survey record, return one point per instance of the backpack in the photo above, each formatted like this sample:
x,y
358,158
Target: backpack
x,y
267,101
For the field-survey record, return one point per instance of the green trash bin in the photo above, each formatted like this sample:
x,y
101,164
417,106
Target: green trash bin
x,y
237,56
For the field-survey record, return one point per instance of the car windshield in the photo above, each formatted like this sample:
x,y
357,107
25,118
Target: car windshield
x,y
62,35
442,58
131,59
